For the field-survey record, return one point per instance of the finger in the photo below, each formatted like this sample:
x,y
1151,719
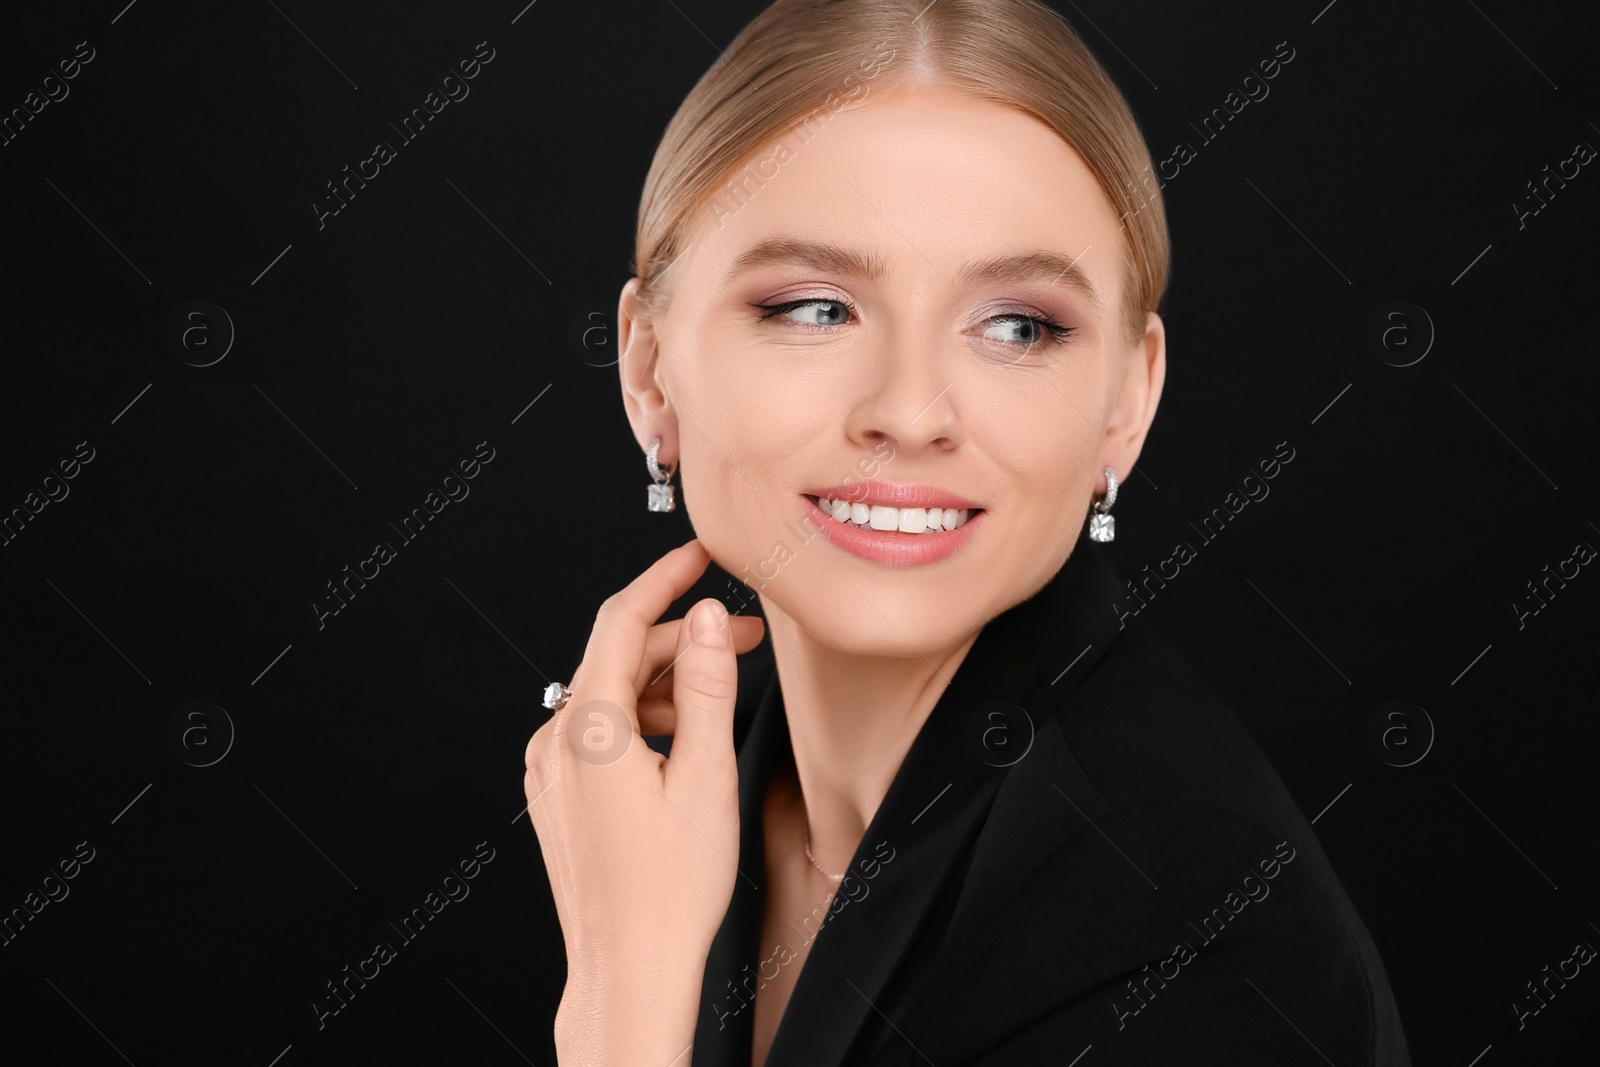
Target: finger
x,y
657,716
616,647
705,685
663,648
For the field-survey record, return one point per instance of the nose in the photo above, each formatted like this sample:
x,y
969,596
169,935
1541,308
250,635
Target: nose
x,y
908,396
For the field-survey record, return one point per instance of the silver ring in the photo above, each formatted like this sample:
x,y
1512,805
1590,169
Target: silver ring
x,y
556,696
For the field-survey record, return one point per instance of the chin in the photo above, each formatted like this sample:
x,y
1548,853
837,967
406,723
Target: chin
x,y
875,618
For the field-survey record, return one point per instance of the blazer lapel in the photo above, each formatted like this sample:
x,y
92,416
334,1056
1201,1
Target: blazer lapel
x,y
1077,611
1046,800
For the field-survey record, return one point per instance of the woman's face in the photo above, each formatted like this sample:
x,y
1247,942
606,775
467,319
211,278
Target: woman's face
x,y
834,325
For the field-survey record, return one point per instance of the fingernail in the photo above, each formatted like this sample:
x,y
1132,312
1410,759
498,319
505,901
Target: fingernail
x,y
708,626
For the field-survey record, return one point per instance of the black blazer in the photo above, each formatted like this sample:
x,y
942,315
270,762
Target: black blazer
x,y
1133,886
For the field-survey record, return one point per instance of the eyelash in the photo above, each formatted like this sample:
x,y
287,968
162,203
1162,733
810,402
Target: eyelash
x,y
1057,332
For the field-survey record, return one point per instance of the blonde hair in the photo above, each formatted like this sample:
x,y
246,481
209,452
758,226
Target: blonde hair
x,y
798,61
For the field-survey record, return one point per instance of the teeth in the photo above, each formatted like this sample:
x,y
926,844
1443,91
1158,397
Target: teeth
x,y
906,520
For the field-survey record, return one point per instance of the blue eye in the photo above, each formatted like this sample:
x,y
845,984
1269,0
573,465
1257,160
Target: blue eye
x,y
1040,329
1053,332
772,310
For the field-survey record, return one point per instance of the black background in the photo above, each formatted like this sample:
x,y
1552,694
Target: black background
x,y
374,354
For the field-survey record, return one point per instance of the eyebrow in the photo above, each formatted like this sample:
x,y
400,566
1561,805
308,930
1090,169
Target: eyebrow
x,y
837,259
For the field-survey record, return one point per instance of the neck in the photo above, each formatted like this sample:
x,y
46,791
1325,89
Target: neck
x,y
852,719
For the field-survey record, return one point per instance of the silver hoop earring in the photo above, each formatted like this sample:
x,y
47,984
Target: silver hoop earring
x,y
661,488
1102,527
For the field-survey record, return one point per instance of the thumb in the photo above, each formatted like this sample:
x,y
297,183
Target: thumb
x,y
705,681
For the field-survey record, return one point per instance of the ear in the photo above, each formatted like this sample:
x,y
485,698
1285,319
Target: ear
x,y
649,411
1143,371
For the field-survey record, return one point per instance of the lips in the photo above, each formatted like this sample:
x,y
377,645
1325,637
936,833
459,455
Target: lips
x,y
893,548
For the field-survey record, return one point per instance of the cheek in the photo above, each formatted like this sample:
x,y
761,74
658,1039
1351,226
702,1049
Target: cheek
x,y
739,399
739,474
1051,455
1080,473
745,423
1082,464
1049,448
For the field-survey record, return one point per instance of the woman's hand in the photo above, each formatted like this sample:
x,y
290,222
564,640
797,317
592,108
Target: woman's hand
x,y
641,849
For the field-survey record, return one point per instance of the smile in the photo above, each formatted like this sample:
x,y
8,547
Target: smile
x,y
905,520
892,536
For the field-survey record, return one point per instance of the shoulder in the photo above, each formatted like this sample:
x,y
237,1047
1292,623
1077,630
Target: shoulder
x,y
1175,880
1148,745
1168,765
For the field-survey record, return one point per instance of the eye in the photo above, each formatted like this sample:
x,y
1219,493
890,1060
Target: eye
x,y
834,312
1035,330
1015,330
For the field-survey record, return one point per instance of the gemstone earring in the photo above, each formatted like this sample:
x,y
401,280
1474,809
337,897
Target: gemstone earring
x,y
1102,527
661,488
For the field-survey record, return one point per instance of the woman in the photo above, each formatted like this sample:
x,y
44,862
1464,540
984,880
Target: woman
x,y
895,320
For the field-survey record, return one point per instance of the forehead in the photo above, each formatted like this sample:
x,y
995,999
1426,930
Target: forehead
x,y
917,181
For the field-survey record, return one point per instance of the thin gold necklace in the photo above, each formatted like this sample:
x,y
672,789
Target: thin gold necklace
x,y
812,858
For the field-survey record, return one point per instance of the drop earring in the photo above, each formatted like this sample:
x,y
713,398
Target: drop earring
x,y
1102,527
661,487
